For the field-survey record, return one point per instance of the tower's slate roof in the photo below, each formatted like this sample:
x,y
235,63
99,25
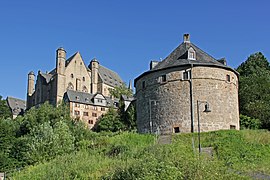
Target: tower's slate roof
x,y
179,57
17,106
109,77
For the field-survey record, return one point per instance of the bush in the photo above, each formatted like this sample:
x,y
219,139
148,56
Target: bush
x,y
249,123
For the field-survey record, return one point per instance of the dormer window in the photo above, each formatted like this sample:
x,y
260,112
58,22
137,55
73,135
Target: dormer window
x,y
77,98
191,54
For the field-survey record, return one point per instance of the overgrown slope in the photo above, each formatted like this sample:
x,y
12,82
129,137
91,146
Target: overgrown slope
x,y
237,155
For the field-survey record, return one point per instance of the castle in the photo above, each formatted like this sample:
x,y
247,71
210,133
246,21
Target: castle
x,y
170,96
85,88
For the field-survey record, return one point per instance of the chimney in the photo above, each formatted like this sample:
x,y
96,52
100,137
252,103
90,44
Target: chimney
x,y
186,38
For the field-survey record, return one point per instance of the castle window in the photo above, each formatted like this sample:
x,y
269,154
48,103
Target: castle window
x,y
232,127
143,84
83,78
77,105
77,98
90,122
70,86
77,113
228,78
72,76
116,104
176,130
94,114
163,78
186,75
103,109
84,89
191,54
94,108
85,113
100,100
86,107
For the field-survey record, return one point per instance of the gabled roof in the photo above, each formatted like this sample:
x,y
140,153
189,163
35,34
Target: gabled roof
x,y
46,76
70,58
87,98
109,77
127,98
16,105
52,72
179,57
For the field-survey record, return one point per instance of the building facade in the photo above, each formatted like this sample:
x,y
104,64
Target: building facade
x,y
84,87
171,94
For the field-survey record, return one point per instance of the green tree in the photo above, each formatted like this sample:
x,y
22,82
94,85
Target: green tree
x,y
128,117
110,122
120,90
254,88
4,109
46,141
249,123
8,131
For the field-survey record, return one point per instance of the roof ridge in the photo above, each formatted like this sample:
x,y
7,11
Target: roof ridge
x,y
203,51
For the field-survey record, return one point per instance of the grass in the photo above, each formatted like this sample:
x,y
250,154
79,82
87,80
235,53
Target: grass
x,y
133,156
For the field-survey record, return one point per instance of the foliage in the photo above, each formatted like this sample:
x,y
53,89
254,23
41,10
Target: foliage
x,y
41,134
237,155
47,142
128,116
4,109
254,88
249,123
120,90
110,122
119,120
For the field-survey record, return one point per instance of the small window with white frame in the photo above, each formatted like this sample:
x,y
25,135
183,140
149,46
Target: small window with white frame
x,y
191,54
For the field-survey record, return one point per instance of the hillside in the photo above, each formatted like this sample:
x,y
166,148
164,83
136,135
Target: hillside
x,y
236,155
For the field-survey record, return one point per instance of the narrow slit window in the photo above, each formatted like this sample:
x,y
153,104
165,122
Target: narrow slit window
x,y
186,75
143,84
163,78
228,78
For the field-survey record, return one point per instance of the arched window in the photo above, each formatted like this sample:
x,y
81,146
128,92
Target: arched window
x,y
84,89
70,86
83,78
72,76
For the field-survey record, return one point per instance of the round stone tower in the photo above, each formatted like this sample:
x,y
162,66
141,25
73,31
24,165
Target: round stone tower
x,y
60,60
94,66
171,94
31,83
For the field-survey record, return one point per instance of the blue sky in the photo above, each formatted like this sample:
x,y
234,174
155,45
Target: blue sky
x,y
124,35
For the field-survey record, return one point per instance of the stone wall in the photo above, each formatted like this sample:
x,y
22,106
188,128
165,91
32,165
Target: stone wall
x,y
170,100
